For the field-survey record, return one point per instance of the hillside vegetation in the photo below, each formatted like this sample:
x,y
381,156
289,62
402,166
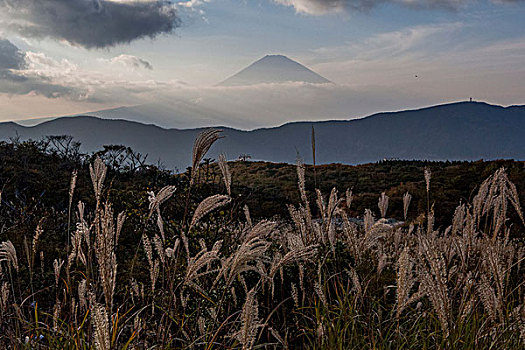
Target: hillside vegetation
x,y
102,251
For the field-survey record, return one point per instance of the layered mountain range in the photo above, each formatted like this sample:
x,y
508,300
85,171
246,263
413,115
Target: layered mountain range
x,y
456,131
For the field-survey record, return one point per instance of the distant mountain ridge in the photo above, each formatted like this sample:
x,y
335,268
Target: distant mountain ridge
x,y
274,69
456,131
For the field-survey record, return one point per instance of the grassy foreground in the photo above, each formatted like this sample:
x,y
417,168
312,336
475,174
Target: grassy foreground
x,y
316,279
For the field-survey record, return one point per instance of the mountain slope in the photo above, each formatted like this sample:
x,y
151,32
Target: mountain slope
x,y
458,131
274,69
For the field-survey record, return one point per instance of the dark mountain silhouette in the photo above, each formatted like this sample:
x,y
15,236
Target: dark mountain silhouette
x,y
457,131
274,69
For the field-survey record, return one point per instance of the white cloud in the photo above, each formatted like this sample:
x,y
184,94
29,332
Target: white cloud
x,y
129,61
322,7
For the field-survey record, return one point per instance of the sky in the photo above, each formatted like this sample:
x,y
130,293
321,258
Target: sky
x,y
64,57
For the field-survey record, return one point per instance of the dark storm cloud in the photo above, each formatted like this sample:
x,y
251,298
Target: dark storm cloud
x,y
14,82
10,56
89,23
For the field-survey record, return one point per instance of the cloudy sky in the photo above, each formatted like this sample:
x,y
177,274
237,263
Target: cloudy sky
x,y
61,57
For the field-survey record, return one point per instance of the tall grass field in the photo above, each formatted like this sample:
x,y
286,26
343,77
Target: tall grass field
x,y
100,271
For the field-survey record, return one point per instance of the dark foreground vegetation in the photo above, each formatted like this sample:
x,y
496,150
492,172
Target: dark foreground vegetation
x,y
103,251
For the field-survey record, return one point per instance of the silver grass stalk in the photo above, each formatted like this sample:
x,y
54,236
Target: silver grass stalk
x,y
157,242
100,321
76,243
154,275
368,220
433,278
57,267
56,315
328,221
250,322
277,336
247,215
297,255
458,220
72,186
4,298
357,283
201,323
8,254
36,237
382,261
262,229
319,291
428,175
430,220
82,294
203,259
240,261
148,249
349,198
226,176
320,203
41,262
295,294
98,174
493,197
155,201
301,181
105,244
207,205
405,280
160,225
427,181
488,297
407,198
383,204
202,144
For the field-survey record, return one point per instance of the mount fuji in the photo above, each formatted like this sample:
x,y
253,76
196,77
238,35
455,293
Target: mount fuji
x,y
276,69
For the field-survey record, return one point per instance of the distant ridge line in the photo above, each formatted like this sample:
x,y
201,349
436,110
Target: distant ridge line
x,y
456,131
